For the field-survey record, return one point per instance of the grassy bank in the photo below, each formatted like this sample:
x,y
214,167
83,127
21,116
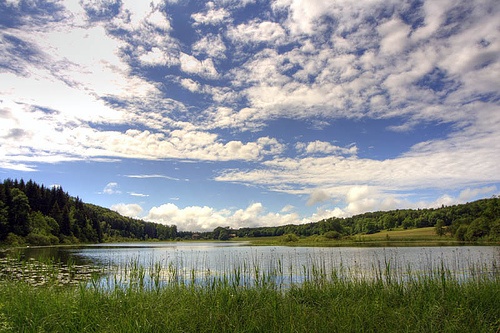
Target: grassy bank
x,y
419,306
132,300
398,237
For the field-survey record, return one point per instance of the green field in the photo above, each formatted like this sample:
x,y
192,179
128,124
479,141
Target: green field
x,y
418,234
400,237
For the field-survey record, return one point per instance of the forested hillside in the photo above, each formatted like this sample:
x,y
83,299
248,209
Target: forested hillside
x,y
478,220
37,215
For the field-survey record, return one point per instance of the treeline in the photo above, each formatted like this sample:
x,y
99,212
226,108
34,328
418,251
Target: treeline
x,y
38,215
478,220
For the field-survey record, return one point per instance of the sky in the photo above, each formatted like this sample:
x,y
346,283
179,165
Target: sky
x,y
247,113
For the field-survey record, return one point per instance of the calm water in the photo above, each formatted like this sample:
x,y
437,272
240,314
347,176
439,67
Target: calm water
x,y
197,260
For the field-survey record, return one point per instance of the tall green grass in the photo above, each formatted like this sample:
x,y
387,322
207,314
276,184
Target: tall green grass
x,y
249,298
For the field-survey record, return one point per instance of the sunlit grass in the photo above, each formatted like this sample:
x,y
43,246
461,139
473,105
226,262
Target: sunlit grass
x,y
398,237
249,297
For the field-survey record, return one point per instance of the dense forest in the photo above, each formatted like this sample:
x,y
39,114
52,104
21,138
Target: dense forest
x,y
38,215
474,221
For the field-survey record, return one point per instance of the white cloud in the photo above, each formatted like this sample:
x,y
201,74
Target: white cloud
x,y
302,14
204,68
212,16
394,36
257,31
111,188
130,210
211,45
135,194
325,148
317,195
190,85
17,166
196,218
287,209
13,3
155,57
55,138
433,18
159,20
361,199
140,11
189,218
469,194
151,176
332,79
462,160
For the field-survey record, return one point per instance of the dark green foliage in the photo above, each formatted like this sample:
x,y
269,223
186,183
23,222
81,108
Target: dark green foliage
x,y
76,221
289,238
221,233
33,214
474,221
4,220
19,213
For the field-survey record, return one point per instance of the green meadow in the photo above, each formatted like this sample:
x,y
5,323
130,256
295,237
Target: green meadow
x,y
397,237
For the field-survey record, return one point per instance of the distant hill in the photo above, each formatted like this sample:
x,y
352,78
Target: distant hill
x,y
474,221
38,215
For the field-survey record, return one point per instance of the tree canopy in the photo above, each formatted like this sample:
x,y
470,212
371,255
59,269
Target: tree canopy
x,y
34,214
38,215
474,221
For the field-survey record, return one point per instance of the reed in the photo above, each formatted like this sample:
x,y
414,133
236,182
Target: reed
x,y
247,297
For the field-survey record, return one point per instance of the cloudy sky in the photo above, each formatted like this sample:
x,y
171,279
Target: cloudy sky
x,y
251,112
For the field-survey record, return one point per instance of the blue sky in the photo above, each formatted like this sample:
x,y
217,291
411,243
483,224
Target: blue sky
x,y
252,113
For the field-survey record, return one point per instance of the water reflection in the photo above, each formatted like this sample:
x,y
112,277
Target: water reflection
x,y
241,264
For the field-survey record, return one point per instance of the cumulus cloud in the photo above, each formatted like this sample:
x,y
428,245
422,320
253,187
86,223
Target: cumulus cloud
x,y
188,218
155,57
111,188
257,31
318,195
77,141
130,210
394,35
325,148
211,45
196,218
190,85
469,194
375,69
429,166
212,16
204,68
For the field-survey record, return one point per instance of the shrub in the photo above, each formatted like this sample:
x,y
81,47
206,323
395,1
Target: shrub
x,y
290,238
14,240
332,234
39,239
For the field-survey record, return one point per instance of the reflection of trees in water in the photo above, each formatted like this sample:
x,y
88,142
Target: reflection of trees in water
x,y
56,254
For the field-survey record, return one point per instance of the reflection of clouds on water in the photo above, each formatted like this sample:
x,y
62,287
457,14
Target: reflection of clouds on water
x,y
243,265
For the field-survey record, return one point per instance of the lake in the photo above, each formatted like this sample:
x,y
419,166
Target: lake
x,y
199,262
